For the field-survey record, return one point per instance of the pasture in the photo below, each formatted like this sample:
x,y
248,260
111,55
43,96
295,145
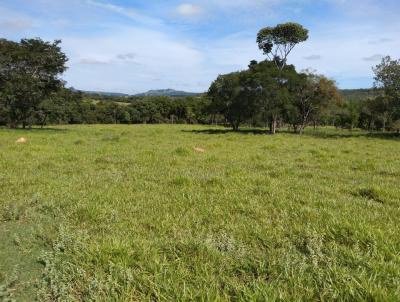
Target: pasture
x,y
135,213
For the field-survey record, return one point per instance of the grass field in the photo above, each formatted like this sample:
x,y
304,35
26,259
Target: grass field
x,y
133,213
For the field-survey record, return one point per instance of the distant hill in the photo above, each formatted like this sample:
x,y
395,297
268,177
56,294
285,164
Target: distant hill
x,y
358,94
100,93
167,92
105,93
160,92
348,94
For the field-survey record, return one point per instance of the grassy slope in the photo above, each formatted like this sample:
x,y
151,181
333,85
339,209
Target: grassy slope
x,y
130,213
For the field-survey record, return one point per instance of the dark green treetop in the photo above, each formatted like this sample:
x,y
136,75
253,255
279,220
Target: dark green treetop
x,y
278,42
29,73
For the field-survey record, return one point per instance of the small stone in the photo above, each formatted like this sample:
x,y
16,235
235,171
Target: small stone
x,y
21,140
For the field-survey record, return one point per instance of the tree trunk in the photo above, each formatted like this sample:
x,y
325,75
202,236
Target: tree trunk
x,y
301,129
43,121
13,124
235,126
273,125
273,130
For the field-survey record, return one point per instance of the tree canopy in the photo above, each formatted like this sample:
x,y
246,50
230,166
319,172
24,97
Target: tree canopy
x,y
29,73
232,95
272,95
279,41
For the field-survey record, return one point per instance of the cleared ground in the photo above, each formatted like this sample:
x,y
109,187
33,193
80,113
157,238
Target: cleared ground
x,y
134,213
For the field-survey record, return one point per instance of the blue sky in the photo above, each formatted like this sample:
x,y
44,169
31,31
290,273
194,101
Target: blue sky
x,y
135,45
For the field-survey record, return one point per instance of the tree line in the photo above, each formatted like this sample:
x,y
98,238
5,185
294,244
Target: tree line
x,y
273,94
270,93
69,106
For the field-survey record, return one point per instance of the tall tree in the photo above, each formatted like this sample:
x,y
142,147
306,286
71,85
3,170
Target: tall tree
x,y
29,73
387,78
232,96
311,93
279,41
271,87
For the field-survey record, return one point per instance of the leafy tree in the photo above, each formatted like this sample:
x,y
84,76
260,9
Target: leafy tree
x,y
387,78
311,94
279,41
232,96
382,110
59,108
29,73
349,114
353,110
271,87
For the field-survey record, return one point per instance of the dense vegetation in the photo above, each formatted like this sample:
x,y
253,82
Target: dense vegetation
x,y
134,213
270,93
71,107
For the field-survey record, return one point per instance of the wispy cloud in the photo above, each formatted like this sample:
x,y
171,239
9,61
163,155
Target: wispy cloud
x,y
126,12
380,41
89,61
313,57
114,61
126,56
130,46
16,25
374,58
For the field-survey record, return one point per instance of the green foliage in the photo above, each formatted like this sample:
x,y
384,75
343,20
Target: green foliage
x,y
278,42
272,89
233,96
387,78
71,107
359,94
271,95
312,94
140,219
29,72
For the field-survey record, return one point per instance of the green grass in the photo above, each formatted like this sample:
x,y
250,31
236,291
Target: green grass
x,y
133,213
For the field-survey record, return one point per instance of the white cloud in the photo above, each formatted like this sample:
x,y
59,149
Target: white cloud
x,y
164,61
312,57
111,48
126,56
127,12
16,25
189,10
380,41
91,61
374,58
346,51
13,22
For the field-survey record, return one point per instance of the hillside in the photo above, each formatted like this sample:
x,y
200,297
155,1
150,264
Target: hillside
x,y
167,92
355,94
359,94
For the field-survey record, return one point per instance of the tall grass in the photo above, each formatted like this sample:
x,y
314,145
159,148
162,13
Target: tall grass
x,y
134,213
